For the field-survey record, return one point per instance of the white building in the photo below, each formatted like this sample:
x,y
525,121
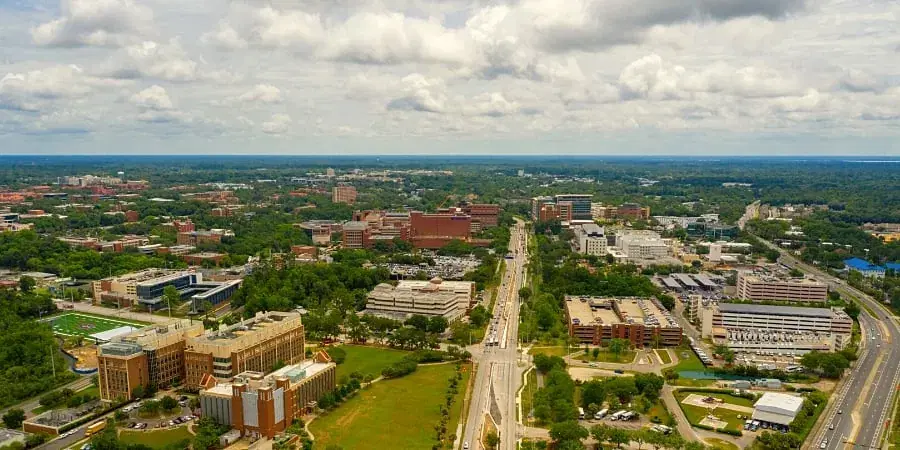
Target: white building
x,y
778,408
642,244
683,222
428,298
591,239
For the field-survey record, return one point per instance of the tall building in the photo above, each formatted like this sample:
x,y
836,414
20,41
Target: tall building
x,y
581,205
181,351
486,214
259,405
257,344
642,321
343,194
787,329
355,235
760,288
591,239
436,230
437,297
153,355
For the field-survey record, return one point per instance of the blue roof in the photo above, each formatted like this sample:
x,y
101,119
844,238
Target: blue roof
x,y
862,265
893,265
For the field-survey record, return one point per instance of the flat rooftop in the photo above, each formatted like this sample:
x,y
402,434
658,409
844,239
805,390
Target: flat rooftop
x,y
602,310
775,310
247,327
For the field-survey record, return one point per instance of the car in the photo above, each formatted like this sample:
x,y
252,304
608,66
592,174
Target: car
x,y
465,445
840,411
831,426
171,423
824,444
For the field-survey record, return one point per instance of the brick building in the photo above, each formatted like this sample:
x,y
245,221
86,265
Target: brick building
x,y
343,194
641,321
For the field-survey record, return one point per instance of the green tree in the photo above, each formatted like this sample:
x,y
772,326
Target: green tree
x,y
13,418
171,296
26,284
492,440
168,403
569,430
618,346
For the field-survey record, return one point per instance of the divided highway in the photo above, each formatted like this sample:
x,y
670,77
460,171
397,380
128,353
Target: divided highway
x,y
498,376
860,411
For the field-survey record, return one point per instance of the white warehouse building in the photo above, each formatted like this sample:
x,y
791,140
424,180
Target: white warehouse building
x,y
774,407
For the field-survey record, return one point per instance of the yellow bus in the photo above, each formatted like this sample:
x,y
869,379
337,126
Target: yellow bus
x,y
95,428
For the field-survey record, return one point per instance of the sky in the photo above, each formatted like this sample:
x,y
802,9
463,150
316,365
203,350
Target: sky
x,y
654,77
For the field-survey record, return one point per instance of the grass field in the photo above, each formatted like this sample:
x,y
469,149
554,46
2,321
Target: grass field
x,y
659,410
80,324
688,382
605,356
549,351
367,360
695,414
688,360
721,444
408,407
528,393
664,356
157,438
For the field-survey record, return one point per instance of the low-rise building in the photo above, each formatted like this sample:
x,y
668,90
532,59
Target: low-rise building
x,y
777,408
437,297
642,244
642,321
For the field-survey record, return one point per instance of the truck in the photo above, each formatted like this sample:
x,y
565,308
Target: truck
x,y
95,428
601,414
617,415
580,413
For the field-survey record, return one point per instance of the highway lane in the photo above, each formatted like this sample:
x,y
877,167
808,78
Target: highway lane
x,y
497,365
867,396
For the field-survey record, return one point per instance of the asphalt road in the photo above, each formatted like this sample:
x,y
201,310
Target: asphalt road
x,y
858,416
497,365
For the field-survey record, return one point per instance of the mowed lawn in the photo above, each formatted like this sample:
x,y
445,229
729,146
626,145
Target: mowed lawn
x,y
664,356
688,360
367,360
396,413
78,324
156,438
549,351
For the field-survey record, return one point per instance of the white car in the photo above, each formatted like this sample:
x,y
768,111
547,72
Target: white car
x,y
824,444
466,445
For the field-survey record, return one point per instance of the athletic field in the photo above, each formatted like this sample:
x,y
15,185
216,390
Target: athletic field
x,y
78,324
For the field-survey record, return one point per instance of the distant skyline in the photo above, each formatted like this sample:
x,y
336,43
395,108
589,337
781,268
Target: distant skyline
x,y
461,77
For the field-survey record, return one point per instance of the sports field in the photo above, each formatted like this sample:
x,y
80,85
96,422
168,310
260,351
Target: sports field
x,y
78,324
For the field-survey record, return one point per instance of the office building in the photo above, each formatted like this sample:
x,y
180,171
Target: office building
x,y
182,351
153,355
450,299
625,211
194,238
343,194
256,344
783,329
146,288
258,405
777,408
641,244
590,239
759,288
485,214
683,222
581,204
320,231
355,235
642,321
437,230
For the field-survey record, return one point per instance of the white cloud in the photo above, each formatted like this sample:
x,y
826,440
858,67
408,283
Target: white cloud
x,y
95,23
149,59
37,89
153,98
262,93
421,94
278,124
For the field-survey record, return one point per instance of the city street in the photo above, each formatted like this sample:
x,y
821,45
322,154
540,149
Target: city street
x,y
498,376
859,411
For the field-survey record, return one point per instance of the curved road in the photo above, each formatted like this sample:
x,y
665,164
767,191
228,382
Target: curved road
x,y
860,411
